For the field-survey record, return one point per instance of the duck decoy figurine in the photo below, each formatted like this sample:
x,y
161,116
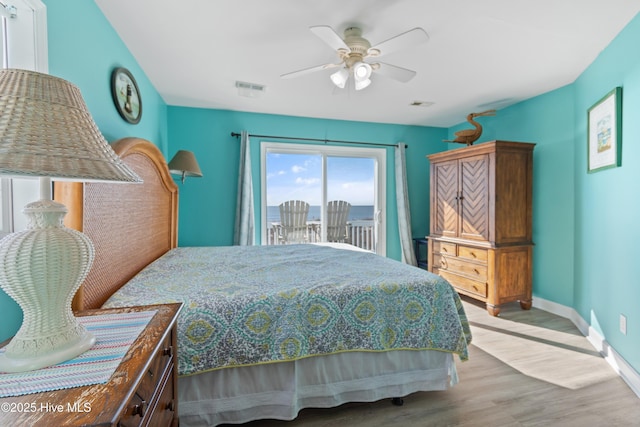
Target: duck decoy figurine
x,y
469,136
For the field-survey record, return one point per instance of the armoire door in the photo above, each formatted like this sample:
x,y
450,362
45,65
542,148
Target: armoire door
x,y
444,199
473,198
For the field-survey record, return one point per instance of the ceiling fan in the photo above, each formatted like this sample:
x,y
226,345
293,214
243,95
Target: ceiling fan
x,y
353,50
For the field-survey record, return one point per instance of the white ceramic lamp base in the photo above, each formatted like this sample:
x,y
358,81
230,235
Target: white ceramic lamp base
x,y
41,268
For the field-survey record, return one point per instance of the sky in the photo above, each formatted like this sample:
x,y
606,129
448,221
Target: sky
x,y
299,177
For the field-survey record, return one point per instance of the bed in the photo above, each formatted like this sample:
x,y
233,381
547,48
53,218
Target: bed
x,y
265,331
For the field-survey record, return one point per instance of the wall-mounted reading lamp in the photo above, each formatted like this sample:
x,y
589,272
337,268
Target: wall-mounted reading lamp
x,y
184,163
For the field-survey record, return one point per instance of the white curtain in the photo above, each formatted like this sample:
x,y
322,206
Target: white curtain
x,y
244,234
402,200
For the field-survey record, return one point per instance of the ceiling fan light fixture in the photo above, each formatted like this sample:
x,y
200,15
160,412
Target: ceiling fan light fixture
x,y
362,71
361,84
340,77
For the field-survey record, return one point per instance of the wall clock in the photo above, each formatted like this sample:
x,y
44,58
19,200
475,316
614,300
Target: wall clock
x,y
126,95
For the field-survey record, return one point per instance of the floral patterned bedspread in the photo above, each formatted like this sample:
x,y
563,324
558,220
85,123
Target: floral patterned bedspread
x,y
247,305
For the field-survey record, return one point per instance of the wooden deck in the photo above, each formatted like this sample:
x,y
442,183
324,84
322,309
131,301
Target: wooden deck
x,y
360,233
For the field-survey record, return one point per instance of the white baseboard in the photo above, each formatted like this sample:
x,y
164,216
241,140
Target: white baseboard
x,y
619,365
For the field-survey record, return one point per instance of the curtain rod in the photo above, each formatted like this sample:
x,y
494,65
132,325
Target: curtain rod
x,y
235,134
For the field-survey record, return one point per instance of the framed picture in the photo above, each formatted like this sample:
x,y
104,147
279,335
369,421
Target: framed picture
x,y
126,95
605,132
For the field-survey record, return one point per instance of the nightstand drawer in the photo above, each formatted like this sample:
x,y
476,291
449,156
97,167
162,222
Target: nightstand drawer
x,y
164,411
138,410
157,368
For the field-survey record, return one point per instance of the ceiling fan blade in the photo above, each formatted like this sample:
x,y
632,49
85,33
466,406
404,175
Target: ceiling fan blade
x,y
397,73
329,36
405,40
308,70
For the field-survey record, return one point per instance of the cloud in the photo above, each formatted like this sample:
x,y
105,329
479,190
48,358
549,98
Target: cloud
x,y
355,192
298,169
277,173
307,181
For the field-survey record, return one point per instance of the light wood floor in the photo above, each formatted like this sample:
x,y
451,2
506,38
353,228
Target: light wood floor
x,y
526,368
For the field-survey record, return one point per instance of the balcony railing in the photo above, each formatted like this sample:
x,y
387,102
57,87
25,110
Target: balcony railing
x,y
360,233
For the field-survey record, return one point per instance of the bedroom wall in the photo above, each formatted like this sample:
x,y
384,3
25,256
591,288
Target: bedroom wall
x,y
207,204
548,121
84,48
606,203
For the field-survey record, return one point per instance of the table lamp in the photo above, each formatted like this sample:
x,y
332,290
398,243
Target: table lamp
x,y
46,131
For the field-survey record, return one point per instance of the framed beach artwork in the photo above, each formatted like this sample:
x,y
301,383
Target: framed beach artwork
x,y
605,132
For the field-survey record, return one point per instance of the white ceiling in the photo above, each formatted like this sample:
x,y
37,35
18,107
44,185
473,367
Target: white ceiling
x,y
481,54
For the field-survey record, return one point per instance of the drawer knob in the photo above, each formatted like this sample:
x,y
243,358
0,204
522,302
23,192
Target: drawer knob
x,y
171,406
473,254
475,270
168,351
140,409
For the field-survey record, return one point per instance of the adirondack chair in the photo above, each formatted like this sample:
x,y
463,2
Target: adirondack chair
x,y
337,214
293,221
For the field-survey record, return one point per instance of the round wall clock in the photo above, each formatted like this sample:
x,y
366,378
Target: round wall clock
x,y
126,95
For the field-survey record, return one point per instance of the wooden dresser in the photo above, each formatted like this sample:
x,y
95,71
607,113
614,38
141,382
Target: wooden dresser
x,y
141,392
481,221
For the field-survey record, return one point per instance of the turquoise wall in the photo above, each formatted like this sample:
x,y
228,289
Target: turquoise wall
x,y
606,203
84,48
547,121
207,205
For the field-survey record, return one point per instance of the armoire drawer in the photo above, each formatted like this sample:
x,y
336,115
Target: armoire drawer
x,y
466,252
445,248
474,271
464,284
474,254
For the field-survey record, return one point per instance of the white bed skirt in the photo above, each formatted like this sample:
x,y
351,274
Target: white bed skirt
x,y
281,390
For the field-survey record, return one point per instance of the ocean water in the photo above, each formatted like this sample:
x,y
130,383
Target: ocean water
x,y
355,213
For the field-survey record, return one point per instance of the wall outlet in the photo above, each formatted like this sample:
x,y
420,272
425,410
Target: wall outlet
x,y
623,324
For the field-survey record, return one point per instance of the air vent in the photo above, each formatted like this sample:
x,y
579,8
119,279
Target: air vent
x,y
250,90
421,104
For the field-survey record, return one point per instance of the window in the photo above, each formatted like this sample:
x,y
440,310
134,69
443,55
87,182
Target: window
x,y
320,174
23,44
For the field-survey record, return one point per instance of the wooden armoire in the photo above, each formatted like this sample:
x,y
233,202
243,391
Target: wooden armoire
x,y
481,221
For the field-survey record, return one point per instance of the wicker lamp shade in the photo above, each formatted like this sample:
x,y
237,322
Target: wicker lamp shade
x,y
47,131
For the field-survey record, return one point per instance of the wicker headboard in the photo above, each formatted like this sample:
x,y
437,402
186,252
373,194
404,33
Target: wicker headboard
x,y
130,225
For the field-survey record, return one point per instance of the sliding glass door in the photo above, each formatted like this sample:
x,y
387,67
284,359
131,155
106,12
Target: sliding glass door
x,y
343,187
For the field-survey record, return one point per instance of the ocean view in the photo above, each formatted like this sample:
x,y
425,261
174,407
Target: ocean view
x,y
356,213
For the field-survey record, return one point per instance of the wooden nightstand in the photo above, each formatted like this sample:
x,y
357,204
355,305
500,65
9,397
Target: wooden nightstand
x,y
141,392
